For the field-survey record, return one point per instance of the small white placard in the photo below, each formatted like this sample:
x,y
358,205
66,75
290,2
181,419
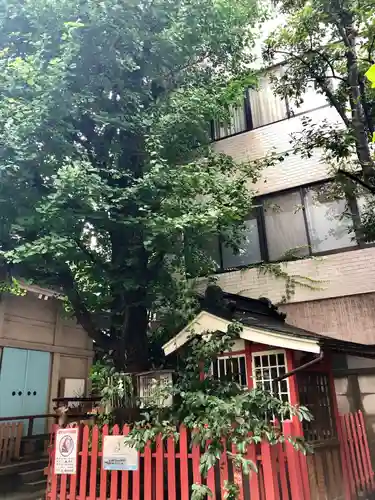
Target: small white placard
x,y
117,455
66,451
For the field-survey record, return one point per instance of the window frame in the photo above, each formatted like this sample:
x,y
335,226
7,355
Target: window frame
x,y
352,204
231,356
258,214
248,114
270,353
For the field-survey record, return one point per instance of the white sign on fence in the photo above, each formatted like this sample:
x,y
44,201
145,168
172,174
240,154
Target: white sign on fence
x,y
117,455
66,451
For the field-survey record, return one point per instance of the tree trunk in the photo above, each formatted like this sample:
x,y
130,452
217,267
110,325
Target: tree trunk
x,y
131,349
359,128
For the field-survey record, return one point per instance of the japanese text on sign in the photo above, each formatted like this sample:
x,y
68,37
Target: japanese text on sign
x,y
117,455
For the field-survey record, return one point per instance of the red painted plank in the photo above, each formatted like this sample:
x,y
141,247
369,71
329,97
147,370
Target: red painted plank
x,y
137,481
352,459
159,481
73,477
84,458
211,479
171,469
237,477
125,474
282,471
254,477
344,451
103,473
184,472
53,476
362,456
148,473
63,483
196,456
223,466
348,475
114,474
293,464
356,451
367,451
268,471
94,462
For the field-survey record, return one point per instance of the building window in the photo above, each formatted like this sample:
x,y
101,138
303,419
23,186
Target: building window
x,y
249,251
265,106
285,225
267,366
238,123
262,107
328,226
230,368
297,223
307,221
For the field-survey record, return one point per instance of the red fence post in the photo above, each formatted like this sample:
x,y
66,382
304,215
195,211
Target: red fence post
x,y
254,477
184,471
84,457
294,466
196,457
171,469
94,462
53,476
147,487
159,468
367,459
103,473
237,476
269,473
114,474
125,473
211,481
349,486
223,467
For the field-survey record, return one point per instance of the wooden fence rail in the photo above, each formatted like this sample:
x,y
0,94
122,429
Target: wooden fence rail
x,y
167,470
10,441
339,469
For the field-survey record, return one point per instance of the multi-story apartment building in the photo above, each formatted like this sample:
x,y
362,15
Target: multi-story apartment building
x,y
341,303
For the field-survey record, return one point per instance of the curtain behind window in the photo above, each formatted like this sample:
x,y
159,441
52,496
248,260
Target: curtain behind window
x,y
285,226
266,107
329,227
237,123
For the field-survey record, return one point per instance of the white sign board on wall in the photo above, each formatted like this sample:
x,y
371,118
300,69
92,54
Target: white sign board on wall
x,y
117,455
66,451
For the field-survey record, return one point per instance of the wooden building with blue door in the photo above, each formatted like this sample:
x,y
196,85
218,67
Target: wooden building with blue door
x,y
43,355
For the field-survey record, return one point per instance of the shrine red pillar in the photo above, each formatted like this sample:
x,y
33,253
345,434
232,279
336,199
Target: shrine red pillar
x,y
297,425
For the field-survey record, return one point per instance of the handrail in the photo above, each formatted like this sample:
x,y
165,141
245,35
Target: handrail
x,y
31,419
92,399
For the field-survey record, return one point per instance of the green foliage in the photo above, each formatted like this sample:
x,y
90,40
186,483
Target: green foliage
x,y
215,410
331,45
116,389
106,164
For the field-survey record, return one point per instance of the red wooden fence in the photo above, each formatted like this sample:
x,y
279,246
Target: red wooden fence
x,y
356,454
167,470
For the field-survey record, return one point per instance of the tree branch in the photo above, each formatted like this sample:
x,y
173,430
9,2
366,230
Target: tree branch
x,y
82,314
330,96
357,180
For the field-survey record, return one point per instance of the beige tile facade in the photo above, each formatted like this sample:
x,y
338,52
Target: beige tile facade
x,y
293,171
